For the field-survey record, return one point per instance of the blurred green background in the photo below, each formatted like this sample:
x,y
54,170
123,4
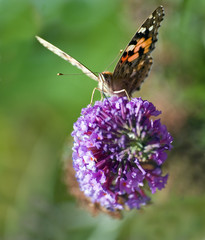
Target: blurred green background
x,y
38,109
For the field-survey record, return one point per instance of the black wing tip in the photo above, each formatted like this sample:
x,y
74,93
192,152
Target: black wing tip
x,y
160,7
160,10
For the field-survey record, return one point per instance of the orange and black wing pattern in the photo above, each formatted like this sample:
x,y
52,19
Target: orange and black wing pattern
x,y
135,62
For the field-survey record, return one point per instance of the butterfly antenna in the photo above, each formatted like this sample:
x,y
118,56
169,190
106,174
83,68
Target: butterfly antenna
x,y
68,74
71,74
120,52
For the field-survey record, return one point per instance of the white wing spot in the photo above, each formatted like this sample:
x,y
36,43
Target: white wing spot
x,y
142,30
151,16
150,29
130,48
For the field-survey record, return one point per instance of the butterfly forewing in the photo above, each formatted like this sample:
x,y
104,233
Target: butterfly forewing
x,y
135,63
67,57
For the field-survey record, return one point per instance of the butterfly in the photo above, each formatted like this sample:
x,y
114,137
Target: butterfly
x,y
133,66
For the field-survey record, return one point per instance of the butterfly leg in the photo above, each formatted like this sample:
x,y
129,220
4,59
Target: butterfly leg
x,y
101,93
123,90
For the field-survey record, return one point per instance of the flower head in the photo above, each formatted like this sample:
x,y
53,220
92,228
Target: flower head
x,y
118,152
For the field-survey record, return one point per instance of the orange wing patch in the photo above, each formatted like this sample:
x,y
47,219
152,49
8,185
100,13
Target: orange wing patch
x,y
147,44
124,58
139,44
133,57
143,45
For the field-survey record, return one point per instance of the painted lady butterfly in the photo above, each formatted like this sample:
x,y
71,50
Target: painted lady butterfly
x,y
134,64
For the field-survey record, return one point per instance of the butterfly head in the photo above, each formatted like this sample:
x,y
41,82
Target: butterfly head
x,y
111,87
105,82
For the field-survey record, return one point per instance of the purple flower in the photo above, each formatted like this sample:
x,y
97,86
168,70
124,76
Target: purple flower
x,y
118,152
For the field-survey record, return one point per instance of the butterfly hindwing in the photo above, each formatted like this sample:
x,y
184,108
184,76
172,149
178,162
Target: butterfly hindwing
x,y
140,72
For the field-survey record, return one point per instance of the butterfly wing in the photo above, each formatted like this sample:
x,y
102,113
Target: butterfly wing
x,y
68,58
135,63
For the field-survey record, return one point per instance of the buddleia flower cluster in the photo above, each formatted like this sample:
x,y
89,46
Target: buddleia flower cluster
x,y
118,152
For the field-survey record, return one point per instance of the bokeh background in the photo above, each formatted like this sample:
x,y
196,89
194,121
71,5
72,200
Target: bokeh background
x,y
38,109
